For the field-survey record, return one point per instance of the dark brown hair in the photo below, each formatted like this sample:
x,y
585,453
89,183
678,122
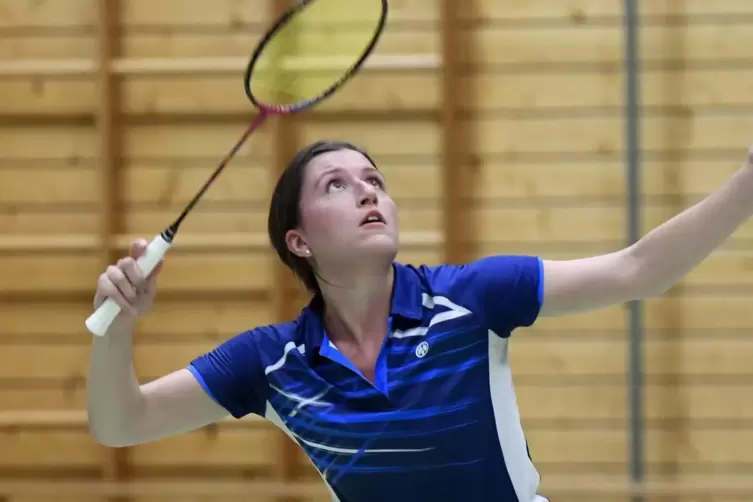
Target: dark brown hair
x,y
285,206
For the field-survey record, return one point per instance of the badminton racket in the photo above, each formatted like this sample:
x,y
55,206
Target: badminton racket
x,y
313,49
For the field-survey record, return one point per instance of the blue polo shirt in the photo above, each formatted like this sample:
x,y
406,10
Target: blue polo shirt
x,y
440,423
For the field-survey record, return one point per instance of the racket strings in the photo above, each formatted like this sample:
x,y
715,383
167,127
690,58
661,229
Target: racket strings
x,y
314,50
285,88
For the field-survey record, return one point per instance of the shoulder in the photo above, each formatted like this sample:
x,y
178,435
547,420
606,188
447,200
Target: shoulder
x,y
505,290
235,372
478,275
271,338
249,352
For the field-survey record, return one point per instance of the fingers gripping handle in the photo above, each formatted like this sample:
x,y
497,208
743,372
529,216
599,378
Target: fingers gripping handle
x,y
99,322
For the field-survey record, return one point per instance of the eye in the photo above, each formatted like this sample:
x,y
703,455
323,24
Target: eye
x,y
336,184
377,182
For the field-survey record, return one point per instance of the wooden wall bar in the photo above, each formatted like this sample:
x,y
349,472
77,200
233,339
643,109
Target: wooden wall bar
x,y
284,296
107,118
517,104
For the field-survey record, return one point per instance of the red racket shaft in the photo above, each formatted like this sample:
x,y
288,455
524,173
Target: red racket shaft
x,y
101,320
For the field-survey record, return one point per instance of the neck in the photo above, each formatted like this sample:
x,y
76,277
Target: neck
x,y
357,311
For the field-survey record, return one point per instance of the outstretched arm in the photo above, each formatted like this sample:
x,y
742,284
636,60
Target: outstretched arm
x,y
657,261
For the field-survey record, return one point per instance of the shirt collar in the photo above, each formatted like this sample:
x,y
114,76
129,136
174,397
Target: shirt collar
x,y
406,304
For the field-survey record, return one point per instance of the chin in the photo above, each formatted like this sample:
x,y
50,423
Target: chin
x,y
380,245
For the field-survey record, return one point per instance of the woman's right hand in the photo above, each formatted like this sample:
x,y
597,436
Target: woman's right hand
x,y
124,283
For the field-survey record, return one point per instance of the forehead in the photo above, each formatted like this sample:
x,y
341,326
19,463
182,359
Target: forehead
x,y
349,160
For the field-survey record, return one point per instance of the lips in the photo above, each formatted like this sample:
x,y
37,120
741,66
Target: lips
x,y
373,217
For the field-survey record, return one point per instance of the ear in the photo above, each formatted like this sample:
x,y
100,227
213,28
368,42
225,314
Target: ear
x,y
297,244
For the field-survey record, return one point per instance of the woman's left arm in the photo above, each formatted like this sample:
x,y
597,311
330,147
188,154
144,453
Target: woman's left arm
x,y
657,261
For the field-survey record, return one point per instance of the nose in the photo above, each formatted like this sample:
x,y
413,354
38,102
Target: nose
x,y
367,195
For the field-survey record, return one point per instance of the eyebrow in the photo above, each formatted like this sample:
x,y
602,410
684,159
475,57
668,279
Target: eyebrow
x,y
326,173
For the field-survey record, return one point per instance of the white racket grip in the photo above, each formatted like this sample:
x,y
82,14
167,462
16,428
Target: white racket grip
x,y
99,322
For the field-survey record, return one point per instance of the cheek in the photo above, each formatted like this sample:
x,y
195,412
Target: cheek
x,y
390,209
324,223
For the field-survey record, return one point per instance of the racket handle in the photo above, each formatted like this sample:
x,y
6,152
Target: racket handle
x,y
99,322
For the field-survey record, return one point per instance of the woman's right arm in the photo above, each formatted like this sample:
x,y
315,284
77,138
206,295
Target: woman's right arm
x,y
122,412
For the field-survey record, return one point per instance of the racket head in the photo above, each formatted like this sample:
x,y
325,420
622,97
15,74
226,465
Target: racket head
x,y
311,51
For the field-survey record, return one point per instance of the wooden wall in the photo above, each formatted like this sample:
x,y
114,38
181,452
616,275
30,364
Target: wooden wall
x,y
542,131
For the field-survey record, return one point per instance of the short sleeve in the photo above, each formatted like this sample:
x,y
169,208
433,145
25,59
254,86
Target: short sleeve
x,y
508,290
233,375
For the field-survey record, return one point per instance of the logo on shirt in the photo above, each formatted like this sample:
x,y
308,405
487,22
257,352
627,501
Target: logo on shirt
x,y
422,349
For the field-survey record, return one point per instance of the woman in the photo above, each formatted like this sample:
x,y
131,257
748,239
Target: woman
x,y
394,379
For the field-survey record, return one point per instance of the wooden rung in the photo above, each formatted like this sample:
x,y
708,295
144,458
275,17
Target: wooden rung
x,y
19,244
48,68
152,66
167,66
190,242
176,489
42,418
229,242
188,66
739,486
30,243
10,419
